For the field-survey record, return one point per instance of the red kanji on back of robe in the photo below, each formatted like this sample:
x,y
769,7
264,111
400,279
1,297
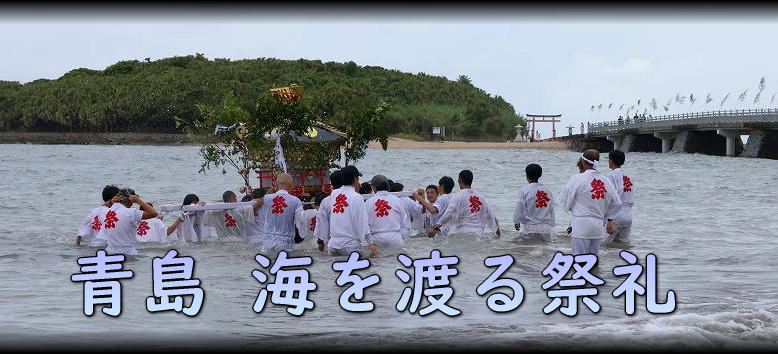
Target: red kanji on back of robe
x,y
382,208
541,199
96,225
598,189
229,221
475,204
111,219
312,224
627,183
279,204
341,203
143,227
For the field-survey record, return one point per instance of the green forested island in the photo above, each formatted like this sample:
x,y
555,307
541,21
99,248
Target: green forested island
x,y
147,96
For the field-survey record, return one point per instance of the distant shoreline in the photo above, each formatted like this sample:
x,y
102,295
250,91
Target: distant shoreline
x,y
49,138
396,143
95,138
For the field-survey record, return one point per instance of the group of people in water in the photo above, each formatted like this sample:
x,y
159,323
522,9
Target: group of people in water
x,y
367,218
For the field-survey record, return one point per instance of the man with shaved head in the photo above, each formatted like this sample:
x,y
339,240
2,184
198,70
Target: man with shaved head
x,y
283,213
592,199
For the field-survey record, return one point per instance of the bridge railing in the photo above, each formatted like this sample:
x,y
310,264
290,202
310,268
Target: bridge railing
x,y
712,116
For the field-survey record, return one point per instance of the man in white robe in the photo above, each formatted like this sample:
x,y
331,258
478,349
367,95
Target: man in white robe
x,y
436,208
322,235
412,211
283,214
230,223
468,212
93,224
309,216
625,188
343,219
255,229
431,194
122,220
152,230
386,215
593,202
534,215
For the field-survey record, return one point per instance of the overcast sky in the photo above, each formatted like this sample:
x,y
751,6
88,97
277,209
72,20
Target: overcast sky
x,y
542,63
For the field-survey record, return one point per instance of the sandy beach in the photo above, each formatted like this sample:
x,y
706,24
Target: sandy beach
x,y
396,143
182,139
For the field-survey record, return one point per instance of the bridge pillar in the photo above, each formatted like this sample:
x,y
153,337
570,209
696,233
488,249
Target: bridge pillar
x,y
762,144
667,140
754,144
617,140
628,143
731,136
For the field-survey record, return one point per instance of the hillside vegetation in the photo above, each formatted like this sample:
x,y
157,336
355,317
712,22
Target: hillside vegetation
x,y
147,96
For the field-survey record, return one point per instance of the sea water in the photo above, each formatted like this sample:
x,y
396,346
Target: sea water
x,y
711,221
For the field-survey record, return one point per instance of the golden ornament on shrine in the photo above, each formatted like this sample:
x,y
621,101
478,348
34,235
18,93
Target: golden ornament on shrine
x,y
311,132
241,131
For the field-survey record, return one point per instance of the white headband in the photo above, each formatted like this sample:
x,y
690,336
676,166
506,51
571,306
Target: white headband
x,y
594,163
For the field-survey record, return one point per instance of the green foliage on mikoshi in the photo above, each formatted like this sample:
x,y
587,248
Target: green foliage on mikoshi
x,y
244,137
244,140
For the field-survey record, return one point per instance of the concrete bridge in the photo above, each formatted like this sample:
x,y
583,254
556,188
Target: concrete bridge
x,y
713,133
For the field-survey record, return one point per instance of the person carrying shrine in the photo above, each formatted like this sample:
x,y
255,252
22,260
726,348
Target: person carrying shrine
x,y
624,183
230,223
93,224
322,236
412,208
122,220
468,212
283,214
343,218
386,215
533,215
437,207
593,202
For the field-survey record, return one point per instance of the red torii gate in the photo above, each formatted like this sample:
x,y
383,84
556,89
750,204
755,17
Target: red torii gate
x,y
540,118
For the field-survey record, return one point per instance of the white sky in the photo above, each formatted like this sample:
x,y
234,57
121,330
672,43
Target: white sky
x,y
552,63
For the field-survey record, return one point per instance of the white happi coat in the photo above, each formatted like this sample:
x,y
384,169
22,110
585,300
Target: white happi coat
x,y
191,227
469,213
625,188
255,230
442,204
387,219
231,223
120,226
413,215
592,199
309,216
535,209
100,239
326,203
283,213
91,226
151,230
342,220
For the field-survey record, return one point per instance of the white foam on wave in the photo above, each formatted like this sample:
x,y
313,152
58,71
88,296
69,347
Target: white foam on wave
x,y
756,329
